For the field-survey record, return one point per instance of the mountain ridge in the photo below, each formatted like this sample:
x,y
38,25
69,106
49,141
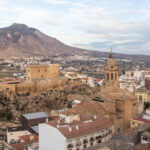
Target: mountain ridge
x,y
19,40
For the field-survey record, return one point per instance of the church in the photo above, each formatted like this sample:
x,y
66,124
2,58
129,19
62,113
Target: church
x,y
120,104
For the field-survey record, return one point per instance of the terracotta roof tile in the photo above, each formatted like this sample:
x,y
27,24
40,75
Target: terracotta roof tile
x,y
84,127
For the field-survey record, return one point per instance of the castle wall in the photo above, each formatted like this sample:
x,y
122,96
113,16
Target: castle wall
x,y
42,72
11,87
25,87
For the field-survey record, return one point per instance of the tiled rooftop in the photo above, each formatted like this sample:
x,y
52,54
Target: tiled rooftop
x,y
80,128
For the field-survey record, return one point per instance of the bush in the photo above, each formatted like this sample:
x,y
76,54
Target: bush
x,y
146,105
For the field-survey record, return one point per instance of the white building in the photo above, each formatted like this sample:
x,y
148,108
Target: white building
x,y
14,133
76,135
145,139
147,114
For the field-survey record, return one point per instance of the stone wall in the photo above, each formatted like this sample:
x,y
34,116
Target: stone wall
x,y
42,72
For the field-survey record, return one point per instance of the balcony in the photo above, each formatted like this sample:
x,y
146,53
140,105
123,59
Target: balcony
x,y
85,141
70,146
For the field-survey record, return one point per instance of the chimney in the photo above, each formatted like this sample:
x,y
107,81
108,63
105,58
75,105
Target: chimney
x,y
77,127
95,117
58,126
58,121
70,129
31,137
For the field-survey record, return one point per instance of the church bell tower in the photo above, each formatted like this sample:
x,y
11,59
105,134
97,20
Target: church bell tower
x,y
111,71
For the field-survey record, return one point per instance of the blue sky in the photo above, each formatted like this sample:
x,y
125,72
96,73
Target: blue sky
x,y
99,25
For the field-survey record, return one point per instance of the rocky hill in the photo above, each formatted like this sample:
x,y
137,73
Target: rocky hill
x,y
19,40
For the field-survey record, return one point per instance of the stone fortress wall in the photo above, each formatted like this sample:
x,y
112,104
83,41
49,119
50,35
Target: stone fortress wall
x,y
43,71
39,78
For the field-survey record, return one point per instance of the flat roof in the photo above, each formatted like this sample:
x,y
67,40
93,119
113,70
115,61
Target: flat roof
x,y
15,129
35,115
36,129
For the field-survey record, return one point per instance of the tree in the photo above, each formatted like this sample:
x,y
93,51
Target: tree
x,y
138,137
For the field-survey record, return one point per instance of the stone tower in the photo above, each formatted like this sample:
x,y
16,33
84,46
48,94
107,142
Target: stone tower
x,y
111,72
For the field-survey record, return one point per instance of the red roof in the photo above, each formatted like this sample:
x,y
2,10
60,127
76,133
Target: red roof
x,y
27,140
148,109
85,78
11,82
84,128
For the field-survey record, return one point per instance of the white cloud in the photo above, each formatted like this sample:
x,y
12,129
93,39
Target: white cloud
x,y
64,2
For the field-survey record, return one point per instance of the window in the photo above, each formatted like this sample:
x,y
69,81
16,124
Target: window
x,y
91,143
98,137
99,141
112,76
107,76
140,97
70,146
39,70
91,139
85,141
45,70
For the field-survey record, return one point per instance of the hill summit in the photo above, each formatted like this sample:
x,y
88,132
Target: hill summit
x,y
19,40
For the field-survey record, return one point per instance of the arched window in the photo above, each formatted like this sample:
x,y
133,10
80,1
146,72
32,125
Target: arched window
x,y
107,76
112,76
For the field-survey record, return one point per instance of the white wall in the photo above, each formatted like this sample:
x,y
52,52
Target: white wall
x,y
50,138
15,135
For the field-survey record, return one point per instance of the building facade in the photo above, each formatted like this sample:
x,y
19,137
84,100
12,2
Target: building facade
x,y
43,71
74,136
142,95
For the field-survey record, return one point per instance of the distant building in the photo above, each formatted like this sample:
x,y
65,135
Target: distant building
x,y
28,142
30,126
142,120
31,121
147,83
111,72
142,95
120,104
145,139
75,135
147,114
137,122
42,71
14,133
129,84
39,78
